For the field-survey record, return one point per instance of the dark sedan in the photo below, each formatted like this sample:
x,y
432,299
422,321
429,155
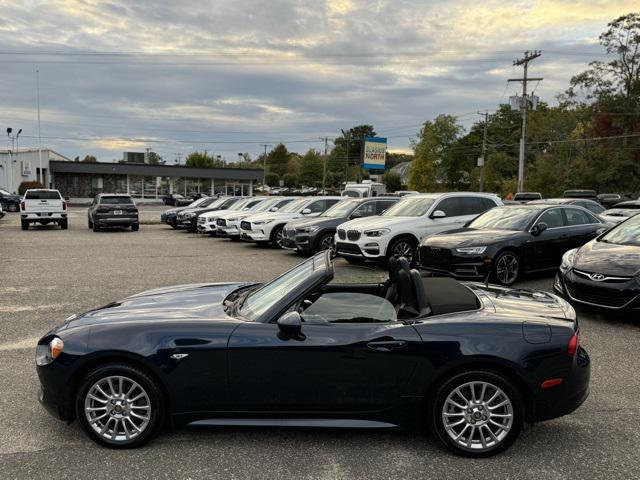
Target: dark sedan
x,y
112,210
474,362
591,205
9,201
605,272
505,242
188,218
176,200
170,217
310,235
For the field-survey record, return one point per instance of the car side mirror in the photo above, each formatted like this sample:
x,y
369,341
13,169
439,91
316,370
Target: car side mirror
x,y
438,214
66,197
306,211
601,230
538,228
290,324
356,215
273,209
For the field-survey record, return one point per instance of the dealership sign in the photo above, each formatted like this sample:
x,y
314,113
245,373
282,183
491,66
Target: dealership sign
x,y
374,153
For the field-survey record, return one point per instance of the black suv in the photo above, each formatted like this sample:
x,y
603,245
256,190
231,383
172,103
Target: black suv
x,y
9,201
113,210
308,235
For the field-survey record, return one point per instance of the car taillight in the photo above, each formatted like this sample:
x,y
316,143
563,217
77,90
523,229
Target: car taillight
x,y
64,205
22,205
572,348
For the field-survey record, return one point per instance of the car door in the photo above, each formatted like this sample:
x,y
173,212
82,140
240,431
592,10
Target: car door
x,y
582,227
453,208
545,250
334,366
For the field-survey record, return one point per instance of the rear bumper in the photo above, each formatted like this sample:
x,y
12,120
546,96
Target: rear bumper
x,y
117,221
568,396
43,216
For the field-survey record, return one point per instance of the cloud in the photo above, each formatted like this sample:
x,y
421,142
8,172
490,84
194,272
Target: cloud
x,y
229,74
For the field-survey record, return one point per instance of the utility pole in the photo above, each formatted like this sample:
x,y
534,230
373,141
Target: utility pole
x,y
41,178
482,158
264,165
524,105
324,167
347,136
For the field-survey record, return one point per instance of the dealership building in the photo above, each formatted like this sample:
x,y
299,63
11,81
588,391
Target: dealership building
x,y
85,179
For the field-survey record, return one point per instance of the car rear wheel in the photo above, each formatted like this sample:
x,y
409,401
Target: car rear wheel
x,y
12,207
24,224
120,406
506,268
96,227
135,227
89,223
64,224
477,413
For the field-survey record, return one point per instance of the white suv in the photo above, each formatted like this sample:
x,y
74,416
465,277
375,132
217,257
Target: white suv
x,y
228,224
267,227
399,230
207,222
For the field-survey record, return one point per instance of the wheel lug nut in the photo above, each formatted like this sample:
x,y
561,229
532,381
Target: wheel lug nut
x,y
480,407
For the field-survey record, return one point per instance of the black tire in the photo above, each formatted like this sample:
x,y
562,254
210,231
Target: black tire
x,y
504,437
64,224
402,247
135,227
24,224
325,242
96,227
89,223
276,236
150,387
505,261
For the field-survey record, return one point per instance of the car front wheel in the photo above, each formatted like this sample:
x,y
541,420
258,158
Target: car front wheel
x,y
277,236
325,242
402,247
119,406
506,268
477,413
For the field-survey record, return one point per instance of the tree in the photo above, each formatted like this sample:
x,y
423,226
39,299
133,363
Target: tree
x,y
342,160
155,159
278,159
272,179
433,167
290,180
202,160
89,159
392,181
311,168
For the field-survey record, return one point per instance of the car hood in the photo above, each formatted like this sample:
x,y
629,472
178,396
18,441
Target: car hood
x,y
469,237
369,223
277,215
173,211
524,303
608,258
216,213
320,222
198,301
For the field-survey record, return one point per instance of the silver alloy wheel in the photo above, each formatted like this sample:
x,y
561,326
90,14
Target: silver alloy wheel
x,y
117,408
477,415
279,236
507,268
403,249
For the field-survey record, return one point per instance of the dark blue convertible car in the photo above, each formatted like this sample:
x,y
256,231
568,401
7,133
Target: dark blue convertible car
x,y
473,362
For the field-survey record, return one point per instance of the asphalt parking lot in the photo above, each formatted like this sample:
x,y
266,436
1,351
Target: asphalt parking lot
x,y
47,274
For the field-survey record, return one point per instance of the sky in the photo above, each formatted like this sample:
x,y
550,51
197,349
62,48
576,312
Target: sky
x,y
228,76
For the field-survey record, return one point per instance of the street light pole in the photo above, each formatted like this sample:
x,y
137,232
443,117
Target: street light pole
x,y
41,178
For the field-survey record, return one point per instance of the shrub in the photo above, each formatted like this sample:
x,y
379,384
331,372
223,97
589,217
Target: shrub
x,y
24,186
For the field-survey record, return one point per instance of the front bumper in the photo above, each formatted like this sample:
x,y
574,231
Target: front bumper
x,y
357,245
613,296
447,262
188,223
207,227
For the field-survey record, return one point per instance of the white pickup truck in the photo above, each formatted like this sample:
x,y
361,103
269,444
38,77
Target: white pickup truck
x,y
43,206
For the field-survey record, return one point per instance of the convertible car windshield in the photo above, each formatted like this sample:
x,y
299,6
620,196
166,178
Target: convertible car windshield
x,y
267,296
504,218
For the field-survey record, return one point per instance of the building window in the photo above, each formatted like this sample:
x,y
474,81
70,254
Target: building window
x,y
97,183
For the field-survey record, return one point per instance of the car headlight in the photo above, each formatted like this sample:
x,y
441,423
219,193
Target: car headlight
x,y
263,222
567,260
377,233
47,353
310,229
472,250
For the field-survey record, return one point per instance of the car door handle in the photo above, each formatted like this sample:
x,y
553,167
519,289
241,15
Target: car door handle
x,y
387,345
